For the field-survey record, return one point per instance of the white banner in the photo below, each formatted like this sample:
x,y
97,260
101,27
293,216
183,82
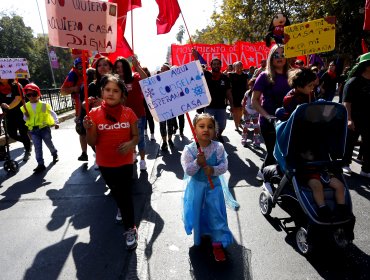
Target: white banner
x,y
14,68
82,24
176,91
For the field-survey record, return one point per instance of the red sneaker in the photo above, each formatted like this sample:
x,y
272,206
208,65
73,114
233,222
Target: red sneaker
x,y
218,252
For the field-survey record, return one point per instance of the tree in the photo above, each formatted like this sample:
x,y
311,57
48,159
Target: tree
x,y
15,37
248,20
180,34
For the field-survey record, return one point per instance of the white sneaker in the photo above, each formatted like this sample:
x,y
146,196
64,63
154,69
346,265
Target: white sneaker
x,y
142,165
362,173
131,238
346,169
152,138
260,175
119,217
145,133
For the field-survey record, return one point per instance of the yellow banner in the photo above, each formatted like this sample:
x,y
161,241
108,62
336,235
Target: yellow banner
x,y
309,37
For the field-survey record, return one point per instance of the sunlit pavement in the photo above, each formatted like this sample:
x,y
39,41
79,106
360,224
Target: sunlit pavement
x,y
60,225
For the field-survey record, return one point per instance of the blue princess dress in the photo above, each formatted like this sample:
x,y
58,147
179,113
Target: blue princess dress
x,y
204,210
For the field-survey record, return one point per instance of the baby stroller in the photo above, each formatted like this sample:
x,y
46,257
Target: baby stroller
x,y
10,166
322,127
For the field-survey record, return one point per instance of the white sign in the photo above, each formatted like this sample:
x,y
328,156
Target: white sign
x,y
14,68
176,91
82,24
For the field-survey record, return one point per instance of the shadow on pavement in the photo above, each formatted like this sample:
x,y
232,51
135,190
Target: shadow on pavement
x,y
334,264
172,159
28,185
359,184
50,261
236,266
81,205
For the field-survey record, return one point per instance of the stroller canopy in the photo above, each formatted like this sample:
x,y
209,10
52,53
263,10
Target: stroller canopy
x,y
314,132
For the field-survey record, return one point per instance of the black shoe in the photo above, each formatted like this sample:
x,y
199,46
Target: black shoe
x,y
325,213
26,156
342,212
83,157
55,158
39,168
171,143
164,146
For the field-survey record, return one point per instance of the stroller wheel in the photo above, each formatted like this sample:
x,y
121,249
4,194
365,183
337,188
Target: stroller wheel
x,y
265,202
302,242
11,166
340,238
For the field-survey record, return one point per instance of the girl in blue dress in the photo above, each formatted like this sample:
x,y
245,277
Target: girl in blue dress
x,y
204,208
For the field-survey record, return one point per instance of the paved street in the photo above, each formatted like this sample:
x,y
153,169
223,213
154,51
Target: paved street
x,y
60,225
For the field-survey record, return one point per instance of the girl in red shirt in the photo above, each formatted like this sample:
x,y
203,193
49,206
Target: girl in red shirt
x,y
112,129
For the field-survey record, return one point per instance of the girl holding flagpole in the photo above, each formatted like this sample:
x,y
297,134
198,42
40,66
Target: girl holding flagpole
x,y
204,211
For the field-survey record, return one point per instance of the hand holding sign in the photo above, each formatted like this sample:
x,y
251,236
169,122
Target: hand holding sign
x,y
177,91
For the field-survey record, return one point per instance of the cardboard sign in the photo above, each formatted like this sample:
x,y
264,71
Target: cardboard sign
x,y
82,24
14,68
176,91
309,37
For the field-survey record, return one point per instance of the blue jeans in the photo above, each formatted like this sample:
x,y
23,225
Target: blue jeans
x,y
39,135
141,127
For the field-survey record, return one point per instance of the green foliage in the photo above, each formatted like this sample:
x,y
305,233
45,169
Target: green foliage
x,y
17,40
250,21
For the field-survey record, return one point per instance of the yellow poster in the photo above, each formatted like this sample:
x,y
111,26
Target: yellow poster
x,y
309,37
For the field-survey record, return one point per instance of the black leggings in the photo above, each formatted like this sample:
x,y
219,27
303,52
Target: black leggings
x,y
149,119
269,137
16,123
119,180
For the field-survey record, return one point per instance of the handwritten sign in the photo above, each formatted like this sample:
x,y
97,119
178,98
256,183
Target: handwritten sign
x,y
250,54
309,37
176,91
14,68
82,24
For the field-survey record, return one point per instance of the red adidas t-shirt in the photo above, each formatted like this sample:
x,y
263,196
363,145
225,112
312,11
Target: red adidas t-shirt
x,y
110,136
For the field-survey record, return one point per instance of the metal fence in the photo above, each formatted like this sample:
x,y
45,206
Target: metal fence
x,y
59,103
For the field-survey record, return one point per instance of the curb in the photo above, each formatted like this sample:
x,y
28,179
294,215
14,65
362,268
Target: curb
x,y
62,117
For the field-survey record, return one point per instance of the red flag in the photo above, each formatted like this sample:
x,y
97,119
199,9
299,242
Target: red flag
x,y
367,16
169,11
123,48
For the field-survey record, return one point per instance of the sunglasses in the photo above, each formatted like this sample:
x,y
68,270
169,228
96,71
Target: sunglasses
x,y
278,55
32,94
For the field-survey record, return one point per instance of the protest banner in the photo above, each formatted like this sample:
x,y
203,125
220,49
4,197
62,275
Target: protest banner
x,y
176,91
82,24
14,68
310,37
250,54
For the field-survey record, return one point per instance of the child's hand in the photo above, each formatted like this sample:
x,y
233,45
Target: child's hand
x,y
201,159
208,170
87,123
26,112
56,126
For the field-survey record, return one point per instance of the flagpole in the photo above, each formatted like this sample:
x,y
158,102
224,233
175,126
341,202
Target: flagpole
x,y
132,27
46,44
